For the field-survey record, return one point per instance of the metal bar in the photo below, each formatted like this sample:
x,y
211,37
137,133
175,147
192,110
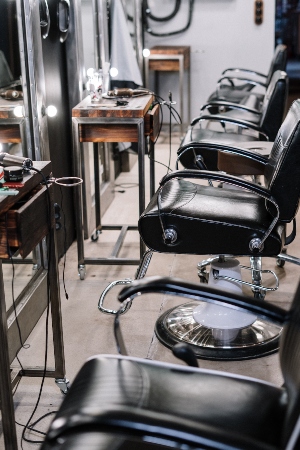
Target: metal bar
x,y
38,372
7,406
181,75
141,164
119,243
97,187
152,167
119,227
112,261
54,292
77,192
288,258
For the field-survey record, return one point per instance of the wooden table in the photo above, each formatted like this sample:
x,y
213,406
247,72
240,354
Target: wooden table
x,y
30,221
171,58
107,122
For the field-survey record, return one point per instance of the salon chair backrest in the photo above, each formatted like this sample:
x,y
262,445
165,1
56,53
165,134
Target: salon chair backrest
x,y
282,171
274,104
289,353
278,62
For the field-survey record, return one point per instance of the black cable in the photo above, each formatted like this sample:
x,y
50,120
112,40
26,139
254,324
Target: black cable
x,y
65,244
165,18
31,427
173,113
23,437
171,33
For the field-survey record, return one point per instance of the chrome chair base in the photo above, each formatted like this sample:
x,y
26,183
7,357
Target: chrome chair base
x,y
259,339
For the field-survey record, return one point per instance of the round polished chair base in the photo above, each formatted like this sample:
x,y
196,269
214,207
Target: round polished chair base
x,y
259,339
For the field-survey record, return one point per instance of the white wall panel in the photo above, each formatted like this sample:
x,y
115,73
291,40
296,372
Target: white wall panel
x,y
222,34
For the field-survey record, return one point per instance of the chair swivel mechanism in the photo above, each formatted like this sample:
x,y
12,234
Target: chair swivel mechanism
x,y
122,403
236,84
185,217
263,125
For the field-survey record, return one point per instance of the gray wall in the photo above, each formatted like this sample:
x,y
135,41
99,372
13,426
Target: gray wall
x,y
222,34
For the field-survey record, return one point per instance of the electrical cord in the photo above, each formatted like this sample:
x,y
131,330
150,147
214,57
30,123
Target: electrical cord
x,y
65,244
145,15
162,19
27,426
31,427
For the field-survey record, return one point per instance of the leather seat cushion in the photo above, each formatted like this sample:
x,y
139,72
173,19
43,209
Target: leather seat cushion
x,y
219,406
210,157
208,220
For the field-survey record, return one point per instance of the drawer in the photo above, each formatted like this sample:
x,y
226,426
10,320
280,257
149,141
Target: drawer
x,y
26,223
152,123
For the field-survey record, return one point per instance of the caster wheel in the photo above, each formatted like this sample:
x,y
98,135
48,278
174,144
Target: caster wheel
x,y
63,384
81,272
280,262
203,277
95,236
259,295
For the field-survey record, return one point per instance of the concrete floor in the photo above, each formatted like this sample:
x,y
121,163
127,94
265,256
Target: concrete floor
x,y
88,331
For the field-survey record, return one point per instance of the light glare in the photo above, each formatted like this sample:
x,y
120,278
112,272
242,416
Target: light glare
x,y
18,111
51,111
113,71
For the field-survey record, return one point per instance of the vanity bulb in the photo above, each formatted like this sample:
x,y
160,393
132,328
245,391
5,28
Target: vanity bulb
x,y
90,72
51,111
19,111
146,52
113,72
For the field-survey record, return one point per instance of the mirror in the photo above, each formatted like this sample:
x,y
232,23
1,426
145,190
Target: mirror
x,y
10,77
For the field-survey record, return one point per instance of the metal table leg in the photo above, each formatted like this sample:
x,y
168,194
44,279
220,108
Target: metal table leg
x,y
7,406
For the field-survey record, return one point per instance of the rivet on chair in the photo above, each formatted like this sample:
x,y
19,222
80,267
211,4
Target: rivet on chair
x,y
256,245
170,236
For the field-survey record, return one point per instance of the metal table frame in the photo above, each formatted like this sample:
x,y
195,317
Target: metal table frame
x,y
180,59
78,171
8,376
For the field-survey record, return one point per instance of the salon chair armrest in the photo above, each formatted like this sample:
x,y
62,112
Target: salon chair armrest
x,y
237,163
245,161
220,178
238,69
203,292
138,422
244,80
208,145
229,105
232,120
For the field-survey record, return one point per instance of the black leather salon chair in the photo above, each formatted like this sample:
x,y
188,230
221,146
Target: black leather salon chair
x,y
117,402
263,125
186,217
237,84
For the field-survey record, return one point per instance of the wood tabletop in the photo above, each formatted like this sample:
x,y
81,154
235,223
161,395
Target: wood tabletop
x,y
30,181
137,107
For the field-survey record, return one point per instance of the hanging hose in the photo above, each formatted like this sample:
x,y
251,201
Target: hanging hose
x,y
162,19
147,14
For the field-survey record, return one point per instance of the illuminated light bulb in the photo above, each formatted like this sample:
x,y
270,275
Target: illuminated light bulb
x,y
51,111
113,71
18,111
90,72
146,52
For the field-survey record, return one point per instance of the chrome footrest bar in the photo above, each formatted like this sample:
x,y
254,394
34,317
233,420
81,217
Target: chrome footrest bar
x,y
261,288
140,273
105,292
